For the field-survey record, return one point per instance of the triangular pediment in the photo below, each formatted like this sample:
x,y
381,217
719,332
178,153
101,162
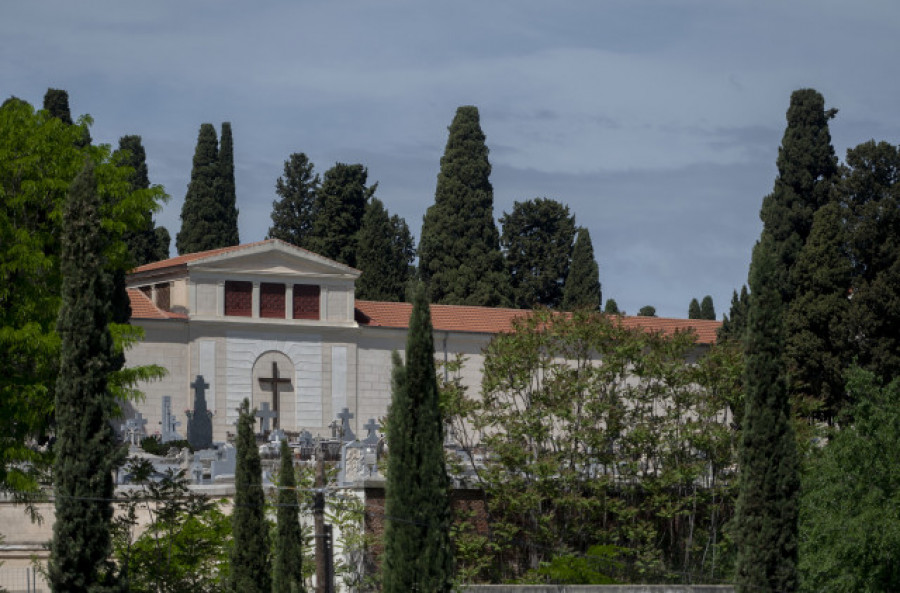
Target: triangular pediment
x,y
273,258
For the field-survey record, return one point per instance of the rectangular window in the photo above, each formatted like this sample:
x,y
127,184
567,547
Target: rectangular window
x,y
271,300
306,301
163,297
238,298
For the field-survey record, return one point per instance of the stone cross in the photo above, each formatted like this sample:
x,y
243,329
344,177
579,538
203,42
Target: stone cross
x,y
169,423
273,382
346,431
134,428
199,423
335,427
264,414
372,428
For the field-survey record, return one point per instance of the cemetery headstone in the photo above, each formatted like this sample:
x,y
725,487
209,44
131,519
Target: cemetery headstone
x,y
169,423
199,427
265,414
346,432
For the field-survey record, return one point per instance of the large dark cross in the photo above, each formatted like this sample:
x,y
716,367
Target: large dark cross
x,y
273,382
200,386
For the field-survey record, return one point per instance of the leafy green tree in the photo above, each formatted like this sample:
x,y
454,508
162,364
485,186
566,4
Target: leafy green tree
x,y
144,244
647,311
417,550
735,323
694,310
288,568
385,255
182,547
251,570
707,310
851,490
229,194
582,289
340,206
86,453
294,213
537,242
626,455
766,518
207,220
459,249
39,158
612,307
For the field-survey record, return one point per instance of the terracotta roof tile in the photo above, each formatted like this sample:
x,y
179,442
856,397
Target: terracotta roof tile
x,y
489,320
143,308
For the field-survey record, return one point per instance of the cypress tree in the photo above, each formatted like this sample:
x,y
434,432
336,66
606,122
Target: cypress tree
x,y
582,289
417,547
459,254
144,244
694,310
647,311
807,167
294,214
86,454
707,310
385,255
611,307
340,206
288,570
228,197
208,220
537,242
735,323
56,101
767,505
251,571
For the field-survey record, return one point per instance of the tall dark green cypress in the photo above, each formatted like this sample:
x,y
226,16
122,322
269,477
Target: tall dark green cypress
x,y
735,323
459,251
208,218
145,244
251,570
582,289
86,454
767,506
56,101
694,309
340,206
288,570
417,547
707,309
228,197
294,214
385,255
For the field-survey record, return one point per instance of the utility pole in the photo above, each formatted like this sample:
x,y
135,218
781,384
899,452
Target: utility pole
x,y
324,580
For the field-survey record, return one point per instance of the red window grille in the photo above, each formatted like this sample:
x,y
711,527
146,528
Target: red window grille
x,y
306,301
271,300
238,298
163,297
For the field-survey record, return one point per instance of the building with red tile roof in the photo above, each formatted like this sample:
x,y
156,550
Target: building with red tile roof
x,y
280,326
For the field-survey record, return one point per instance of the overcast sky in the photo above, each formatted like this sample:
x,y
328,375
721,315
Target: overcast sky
x,y
657,122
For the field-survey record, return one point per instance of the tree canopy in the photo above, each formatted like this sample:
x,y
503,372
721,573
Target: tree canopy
x,y
294,213
385,255
582,289
340,205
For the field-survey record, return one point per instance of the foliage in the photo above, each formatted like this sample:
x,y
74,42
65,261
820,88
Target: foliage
x,y
417,550
39,158
612,308
647,311
850,529
184,546
537,243
734,324
228,196
587,569
766,517
340,205
288,566
56,103
634,452
385,255
694,309
582,288
208,219
148,243
294,213
459,253
251,570
707,310
86,454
